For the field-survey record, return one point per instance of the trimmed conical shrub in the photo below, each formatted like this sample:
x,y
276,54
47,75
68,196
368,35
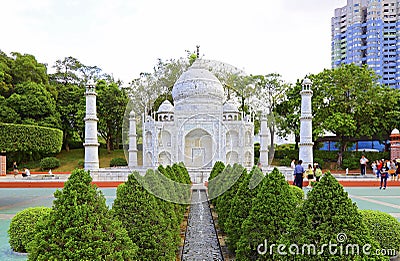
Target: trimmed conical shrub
x,y
80,227
145,220
224,201
269,217
240,207
329,224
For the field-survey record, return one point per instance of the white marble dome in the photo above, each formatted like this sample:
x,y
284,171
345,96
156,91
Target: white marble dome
x,y
395,132
199,83
166,107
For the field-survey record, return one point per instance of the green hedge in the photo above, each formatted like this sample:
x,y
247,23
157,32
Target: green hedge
x,y
23,226
118,162
49,163
30,139
383,227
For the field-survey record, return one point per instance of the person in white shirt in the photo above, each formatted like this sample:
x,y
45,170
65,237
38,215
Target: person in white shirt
x,y
26,173
363,165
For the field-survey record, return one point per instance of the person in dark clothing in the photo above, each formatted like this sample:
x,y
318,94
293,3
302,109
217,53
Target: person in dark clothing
x,y
384,176
298,174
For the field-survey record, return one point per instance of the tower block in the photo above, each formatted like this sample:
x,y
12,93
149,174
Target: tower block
x,y
306,143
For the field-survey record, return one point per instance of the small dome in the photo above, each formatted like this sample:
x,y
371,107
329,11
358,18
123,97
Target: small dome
x,y
230,107
395,132
166,107
306,81
197,82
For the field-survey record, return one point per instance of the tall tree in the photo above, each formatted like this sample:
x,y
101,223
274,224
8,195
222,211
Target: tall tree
x,y
269,93
80,226
111,104
349,102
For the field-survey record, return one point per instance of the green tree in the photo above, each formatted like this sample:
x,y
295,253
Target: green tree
x,y
25,69
269,92
111,104
34,104
80,226
146,223
349,102
383,227
269,218
328,216
240,207
23,227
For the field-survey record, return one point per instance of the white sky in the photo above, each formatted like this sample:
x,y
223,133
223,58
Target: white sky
x,y
125,37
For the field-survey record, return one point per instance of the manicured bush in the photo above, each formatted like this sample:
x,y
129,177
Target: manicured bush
x,y
22,227
80,226
383,227
298,194
223,206
241,206
49,163
328,216
217,168
351,163
269,217
146,223
118,162
285,161
30,139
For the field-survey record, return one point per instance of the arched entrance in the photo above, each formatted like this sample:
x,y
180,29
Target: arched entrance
x,y
198,149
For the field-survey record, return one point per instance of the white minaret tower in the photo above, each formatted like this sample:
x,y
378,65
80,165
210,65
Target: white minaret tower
x,y
132,151
306,143
264,140
91,143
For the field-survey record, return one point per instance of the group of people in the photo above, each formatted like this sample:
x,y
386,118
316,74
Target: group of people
x,y
382,169
25,173
312,173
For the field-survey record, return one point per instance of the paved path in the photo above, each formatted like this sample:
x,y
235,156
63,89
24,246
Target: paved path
x,y
201,241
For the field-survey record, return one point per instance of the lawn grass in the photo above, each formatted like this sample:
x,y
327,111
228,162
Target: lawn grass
x,y
69,160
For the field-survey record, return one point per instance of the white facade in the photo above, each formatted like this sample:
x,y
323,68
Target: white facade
x,y
306,143
199,129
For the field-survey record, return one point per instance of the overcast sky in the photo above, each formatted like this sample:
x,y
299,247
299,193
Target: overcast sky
x,y
125,37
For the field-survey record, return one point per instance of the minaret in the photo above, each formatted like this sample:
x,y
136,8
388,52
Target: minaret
x,y
306,143
132,151
91,143
264,140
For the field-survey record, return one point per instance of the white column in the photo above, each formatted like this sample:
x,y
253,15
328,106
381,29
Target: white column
x,y
264,140
91,143
306,143
132,151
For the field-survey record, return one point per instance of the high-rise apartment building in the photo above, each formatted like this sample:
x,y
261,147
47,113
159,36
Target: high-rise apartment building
x,y
368,32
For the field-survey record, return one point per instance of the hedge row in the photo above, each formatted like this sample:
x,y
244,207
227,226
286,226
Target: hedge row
x,y
30,139
275,213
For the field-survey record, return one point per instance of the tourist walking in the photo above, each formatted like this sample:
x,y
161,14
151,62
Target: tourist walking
x,y
298,174
15,169
310,175
384,177
318,172
363,165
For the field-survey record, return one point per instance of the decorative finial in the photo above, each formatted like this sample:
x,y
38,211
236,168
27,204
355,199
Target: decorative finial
x,y
198,51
